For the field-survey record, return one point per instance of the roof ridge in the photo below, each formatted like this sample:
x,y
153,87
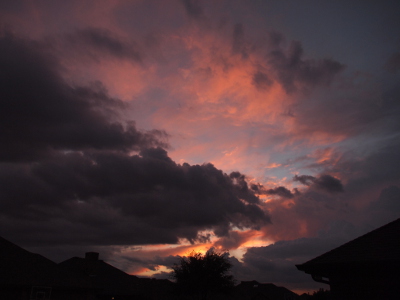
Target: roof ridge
x,y
355,240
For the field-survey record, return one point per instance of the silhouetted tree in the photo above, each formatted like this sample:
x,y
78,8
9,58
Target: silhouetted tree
x,y
321,294
202,274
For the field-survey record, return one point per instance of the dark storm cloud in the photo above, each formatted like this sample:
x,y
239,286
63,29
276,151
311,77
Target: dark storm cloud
x,y
323,182
103,197
68,175
293,71
193,8
105,42
242,189
40,113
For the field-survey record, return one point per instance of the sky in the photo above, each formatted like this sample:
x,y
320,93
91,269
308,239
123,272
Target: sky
x,y
147,129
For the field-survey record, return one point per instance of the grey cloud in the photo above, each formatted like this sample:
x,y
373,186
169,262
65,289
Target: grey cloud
x,y
193,8
323,182
104,197
280,191
242,187
329,184
41,114
367,111
322,200
105,42
261,80
378,170
304,179
294,72
239,45
232,241
276,262
275,39
70,177
298,249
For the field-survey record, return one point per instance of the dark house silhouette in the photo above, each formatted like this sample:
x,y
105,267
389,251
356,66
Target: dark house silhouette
x,y
253,290
109,282
26,275
367,267
112,283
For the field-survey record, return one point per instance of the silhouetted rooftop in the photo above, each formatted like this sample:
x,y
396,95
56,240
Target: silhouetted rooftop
x,y
20,267
380,247
255,290
103,275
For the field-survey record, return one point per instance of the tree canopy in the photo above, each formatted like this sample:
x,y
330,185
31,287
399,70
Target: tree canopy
x,y
203,274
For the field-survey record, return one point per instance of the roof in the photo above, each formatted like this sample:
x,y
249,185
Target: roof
x,y
104,276
20,267
255,290
380,247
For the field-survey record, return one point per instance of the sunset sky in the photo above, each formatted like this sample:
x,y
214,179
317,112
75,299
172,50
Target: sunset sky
x,y
144,129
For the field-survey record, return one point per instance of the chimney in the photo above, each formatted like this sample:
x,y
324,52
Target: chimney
x,y
92,256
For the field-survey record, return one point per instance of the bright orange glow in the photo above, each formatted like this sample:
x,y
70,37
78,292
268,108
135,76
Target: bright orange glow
x,y
149,273
257,240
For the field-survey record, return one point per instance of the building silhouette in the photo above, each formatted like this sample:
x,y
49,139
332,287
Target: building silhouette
x,y
364,268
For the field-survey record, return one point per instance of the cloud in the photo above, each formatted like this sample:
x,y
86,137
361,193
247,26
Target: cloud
x,y
261,80
366,195
77,171
276,262
40,113
100,42
388,199
294,72
234,240
75,174
323,182
151,263
193,8
239,45
242,187
280,191
108,198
